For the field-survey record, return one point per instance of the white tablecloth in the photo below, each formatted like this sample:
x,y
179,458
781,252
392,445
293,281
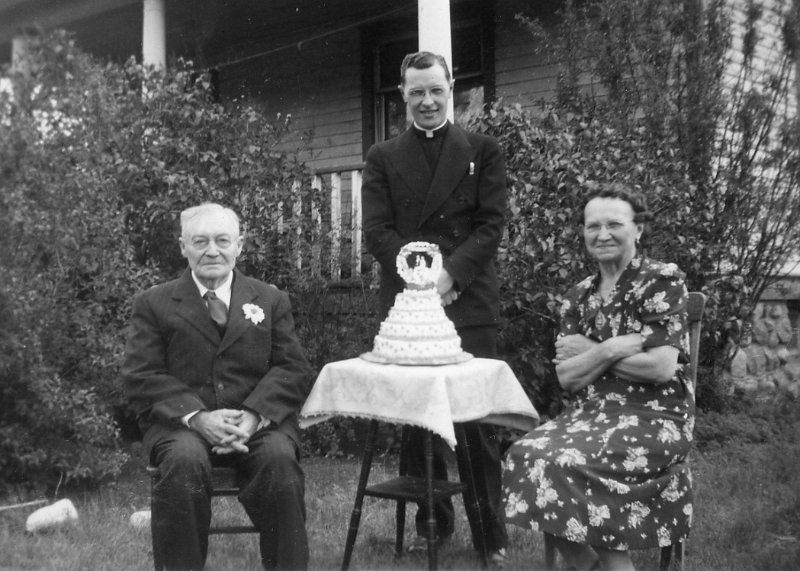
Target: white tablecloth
x,y
433,397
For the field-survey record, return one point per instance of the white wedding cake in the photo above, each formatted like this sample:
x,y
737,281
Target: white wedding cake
x,y
417,331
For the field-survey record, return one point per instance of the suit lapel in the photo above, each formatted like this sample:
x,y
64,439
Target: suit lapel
x,y
241,293
411,163
192,308
453,165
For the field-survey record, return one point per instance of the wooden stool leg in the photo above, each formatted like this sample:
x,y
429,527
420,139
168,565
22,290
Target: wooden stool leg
x,y
355,516
428,450
471,497
400,509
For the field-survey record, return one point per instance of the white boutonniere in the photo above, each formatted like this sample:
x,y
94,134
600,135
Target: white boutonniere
x,y
253,313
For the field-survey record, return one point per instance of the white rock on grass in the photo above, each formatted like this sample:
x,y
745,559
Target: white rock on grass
x,y
60,513
140,519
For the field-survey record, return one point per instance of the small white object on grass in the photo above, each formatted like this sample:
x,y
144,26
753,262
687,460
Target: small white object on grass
x,y
51,516
140,519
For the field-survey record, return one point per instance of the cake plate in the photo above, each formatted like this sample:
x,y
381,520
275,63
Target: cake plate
x,y
373,358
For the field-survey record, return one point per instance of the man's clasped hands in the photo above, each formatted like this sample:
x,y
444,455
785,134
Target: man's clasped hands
x,y
227,429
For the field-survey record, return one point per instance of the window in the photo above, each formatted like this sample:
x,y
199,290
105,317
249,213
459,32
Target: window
x,y
472,71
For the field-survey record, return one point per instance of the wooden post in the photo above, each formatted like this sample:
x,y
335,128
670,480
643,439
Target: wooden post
x,y
434,34
297,220
336,226
154,34
355,218
20,61
316,236
23,505
20,64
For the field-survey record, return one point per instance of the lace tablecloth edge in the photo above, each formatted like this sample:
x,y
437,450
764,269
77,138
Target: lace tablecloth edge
x,y
316,417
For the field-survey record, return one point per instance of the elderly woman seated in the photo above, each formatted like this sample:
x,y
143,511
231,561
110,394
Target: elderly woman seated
x,y
609,474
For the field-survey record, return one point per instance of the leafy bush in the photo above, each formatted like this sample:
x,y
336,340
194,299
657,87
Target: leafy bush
x,y
66,281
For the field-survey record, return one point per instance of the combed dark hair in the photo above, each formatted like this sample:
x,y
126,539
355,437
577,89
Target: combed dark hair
x,y
422,60
633,196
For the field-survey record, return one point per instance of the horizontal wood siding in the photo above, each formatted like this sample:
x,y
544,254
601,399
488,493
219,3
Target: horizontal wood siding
x,y
521,75
768,48
319,85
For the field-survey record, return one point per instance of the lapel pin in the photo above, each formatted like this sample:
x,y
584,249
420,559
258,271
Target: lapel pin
x,y
471,168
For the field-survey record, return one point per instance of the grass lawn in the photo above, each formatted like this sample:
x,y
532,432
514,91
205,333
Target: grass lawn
x,y
747,518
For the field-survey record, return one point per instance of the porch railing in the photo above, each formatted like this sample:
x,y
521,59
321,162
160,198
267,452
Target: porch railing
x,y
344,183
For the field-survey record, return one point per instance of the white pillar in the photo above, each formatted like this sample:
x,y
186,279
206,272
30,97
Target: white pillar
x,y
20,66
20,62
154,34
434,33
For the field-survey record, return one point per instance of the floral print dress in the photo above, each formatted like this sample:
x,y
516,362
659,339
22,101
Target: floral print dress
x,y
611,470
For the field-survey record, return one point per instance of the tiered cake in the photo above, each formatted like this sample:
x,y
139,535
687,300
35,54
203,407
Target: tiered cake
x,y
417,331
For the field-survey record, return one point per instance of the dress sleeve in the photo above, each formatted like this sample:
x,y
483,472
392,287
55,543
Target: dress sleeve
x,y
663,309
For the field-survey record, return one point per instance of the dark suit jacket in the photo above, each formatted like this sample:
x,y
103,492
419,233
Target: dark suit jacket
x,y
460,208
176,362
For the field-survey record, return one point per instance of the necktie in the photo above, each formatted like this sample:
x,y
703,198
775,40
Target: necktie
x,y
217,309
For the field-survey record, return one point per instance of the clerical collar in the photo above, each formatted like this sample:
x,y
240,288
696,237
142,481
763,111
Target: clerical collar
x,y
431,133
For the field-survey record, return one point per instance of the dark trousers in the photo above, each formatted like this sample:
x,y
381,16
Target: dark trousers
x,y
484,452
272,495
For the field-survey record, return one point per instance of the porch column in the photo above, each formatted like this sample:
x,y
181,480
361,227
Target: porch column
x,y
434,33
154,34
20,63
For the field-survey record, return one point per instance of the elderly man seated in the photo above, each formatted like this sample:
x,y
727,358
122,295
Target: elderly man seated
x,y
216,375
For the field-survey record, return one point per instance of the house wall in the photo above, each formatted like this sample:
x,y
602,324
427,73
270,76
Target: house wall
x,y
521,74
319,84
768,42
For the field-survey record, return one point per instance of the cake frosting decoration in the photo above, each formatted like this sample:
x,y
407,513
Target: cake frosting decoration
x,y
417,331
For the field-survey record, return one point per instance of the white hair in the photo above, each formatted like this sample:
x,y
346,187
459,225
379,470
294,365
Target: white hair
x,y
206,208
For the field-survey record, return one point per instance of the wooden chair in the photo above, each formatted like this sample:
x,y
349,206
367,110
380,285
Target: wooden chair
x,y
224,482
672,556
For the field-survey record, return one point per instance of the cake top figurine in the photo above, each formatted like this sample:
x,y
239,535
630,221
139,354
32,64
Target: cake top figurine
x,y
417,330
421,275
